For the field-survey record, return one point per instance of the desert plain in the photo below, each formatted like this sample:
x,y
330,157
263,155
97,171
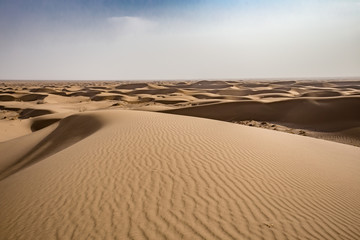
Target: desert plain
x,y
231,159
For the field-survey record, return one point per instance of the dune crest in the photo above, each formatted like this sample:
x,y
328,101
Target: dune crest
x,y
326,109
67,132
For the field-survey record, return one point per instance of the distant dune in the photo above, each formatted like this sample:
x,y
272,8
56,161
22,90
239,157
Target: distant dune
x,y
326,109
80,165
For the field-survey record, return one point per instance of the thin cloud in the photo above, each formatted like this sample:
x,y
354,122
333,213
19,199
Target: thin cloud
x,y
132,25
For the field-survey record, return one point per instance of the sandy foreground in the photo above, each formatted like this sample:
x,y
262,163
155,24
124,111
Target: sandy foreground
x,y
175,160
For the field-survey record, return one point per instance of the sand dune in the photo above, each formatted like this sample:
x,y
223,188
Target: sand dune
x,y
28,113
324,114
92,160
325,109
25,98
69,130
142,175
131,86
321,93
5,97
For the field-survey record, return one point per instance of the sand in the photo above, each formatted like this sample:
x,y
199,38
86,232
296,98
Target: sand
x,y
326,109
116,169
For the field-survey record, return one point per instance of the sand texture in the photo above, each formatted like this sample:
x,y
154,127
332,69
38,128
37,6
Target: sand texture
x,y
327,109
128,169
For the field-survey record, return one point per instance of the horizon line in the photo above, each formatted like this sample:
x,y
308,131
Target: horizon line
x,y
196,79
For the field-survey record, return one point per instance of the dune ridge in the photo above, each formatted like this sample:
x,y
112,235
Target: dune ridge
x,y
146,175
323,114
68,131
326,109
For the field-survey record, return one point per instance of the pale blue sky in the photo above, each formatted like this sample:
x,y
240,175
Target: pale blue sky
x,y
193,39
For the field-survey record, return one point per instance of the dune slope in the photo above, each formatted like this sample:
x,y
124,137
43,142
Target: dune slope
x,y
323,114
146,175
335,119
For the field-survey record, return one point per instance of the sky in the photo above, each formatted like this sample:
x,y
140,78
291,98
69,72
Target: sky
x,y
189,39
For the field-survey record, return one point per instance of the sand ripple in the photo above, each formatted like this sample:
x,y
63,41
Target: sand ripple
x,y
149,175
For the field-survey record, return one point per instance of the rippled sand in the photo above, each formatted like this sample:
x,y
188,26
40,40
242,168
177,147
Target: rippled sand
x,y
97,169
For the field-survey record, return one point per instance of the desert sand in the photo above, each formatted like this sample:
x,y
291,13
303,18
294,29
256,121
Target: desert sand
x,y
180,160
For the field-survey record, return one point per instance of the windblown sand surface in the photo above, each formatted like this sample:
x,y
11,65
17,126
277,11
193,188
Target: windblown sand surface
x,y
327,109
77,162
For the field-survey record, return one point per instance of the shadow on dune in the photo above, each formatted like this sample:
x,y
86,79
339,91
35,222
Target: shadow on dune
x,y
132,86
7,98
32,97
25,98
29,113
69,131
39,124
332,114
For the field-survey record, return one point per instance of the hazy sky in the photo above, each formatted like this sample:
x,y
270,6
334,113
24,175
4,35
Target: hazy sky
x,y
189,39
